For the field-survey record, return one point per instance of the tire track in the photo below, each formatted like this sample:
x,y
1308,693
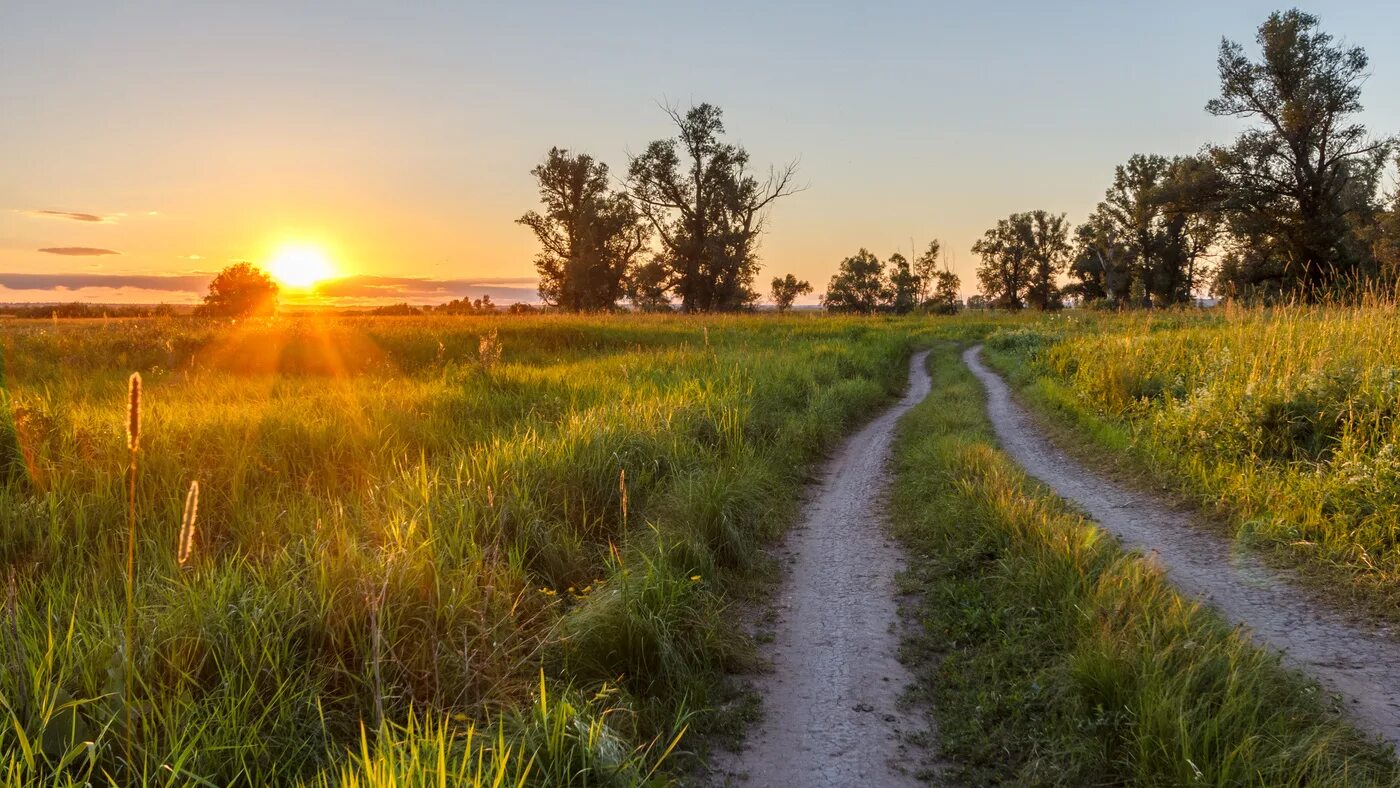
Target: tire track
x,y
1358,663
831,715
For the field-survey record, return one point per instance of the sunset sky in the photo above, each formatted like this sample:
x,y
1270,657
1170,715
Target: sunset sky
x,y
146,147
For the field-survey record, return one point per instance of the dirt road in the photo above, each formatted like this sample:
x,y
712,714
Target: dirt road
x,y
1359,663
830,715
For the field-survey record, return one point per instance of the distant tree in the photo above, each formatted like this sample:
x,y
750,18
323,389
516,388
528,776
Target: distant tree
x,y
926,268
1049,255
396,310
977,301
1021,258
241,290
944,299
708,209
1288,177
589,235
467,306
858,286
786,289
522,308
649,288
902,286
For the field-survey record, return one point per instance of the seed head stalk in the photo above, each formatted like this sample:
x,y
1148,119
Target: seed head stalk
x,y
133,446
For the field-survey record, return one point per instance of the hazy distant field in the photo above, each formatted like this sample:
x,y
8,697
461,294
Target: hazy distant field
x,y
513,526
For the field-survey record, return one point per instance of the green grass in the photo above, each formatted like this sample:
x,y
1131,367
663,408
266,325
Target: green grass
x,y
1284,421
1051,657
412,561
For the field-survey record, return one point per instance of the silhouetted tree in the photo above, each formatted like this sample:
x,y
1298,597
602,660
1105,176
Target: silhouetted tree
x,y
1288,177
944,299
902,286
926,267
786,289
858,286
707,208
589,235
241,290
1021,258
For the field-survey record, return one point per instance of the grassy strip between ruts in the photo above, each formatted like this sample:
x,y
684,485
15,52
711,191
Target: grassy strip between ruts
x,y
1052,657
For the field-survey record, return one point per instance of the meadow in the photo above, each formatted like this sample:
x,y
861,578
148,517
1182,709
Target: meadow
x,y
425,551
507,550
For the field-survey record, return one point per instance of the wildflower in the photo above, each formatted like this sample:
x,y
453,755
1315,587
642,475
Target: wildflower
x,y
695,578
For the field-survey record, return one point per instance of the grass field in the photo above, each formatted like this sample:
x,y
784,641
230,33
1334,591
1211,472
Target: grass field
x,y
424,548
504,551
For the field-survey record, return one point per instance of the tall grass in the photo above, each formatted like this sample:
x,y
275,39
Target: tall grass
x,y
400,525
1054,658
1284,418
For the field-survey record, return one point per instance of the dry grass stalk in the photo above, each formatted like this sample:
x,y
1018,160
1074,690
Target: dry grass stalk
x,y
187,523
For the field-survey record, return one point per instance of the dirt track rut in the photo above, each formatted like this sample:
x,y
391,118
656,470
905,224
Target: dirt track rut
x,y
830,711
1358,663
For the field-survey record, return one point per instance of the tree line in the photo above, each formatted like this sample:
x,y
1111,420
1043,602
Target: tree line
x,y
1293,207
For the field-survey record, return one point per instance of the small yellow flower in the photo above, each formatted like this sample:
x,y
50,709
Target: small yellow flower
x,y
695,578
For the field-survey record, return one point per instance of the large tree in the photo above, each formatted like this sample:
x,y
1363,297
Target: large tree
x,y
590,236
1022,258
786,289
708,209
858,286
241,290
1157,219
1289,174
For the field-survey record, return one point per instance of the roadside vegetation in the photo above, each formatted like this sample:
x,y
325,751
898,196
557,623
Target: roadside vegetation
x,y
1283,420
421,549
1051,657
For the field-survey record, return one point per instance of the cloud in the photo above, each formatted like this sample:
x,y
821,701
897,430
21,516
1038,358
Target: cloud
x,y
175,283
346,289
77,251
74,215
412,288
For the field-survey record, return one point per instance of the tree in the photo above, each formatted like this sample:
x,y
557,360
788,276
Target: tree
x,y
858,286
707,208
589,235
926,268
1021,258
1157,219
1288,176
945,299
902,286
786,289
241,290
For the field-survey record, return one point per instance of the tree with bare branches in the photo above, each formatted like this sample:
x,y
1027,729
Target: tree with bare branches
x,y
707,208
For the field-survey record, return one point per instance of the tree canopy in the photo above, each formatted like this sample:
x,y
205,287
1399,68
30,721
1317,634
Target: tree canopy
x,y
707,208
590,236
241,290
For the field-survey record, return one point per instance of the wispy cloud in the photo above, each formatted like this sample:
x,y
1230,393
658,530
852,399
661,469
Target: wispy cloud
x,y
77,251
346,289
413,288
73,215
193,283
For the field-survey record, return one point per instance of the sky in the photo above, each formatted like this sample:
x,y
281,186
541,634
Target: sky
x,y
145,145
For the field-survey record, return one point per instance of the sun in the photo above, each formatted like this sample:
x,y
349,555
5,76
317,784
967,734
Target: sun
x,y
300,265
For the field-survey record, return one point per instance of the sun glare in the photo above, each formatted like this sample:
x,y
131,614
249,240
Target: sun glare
x,y
300,265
